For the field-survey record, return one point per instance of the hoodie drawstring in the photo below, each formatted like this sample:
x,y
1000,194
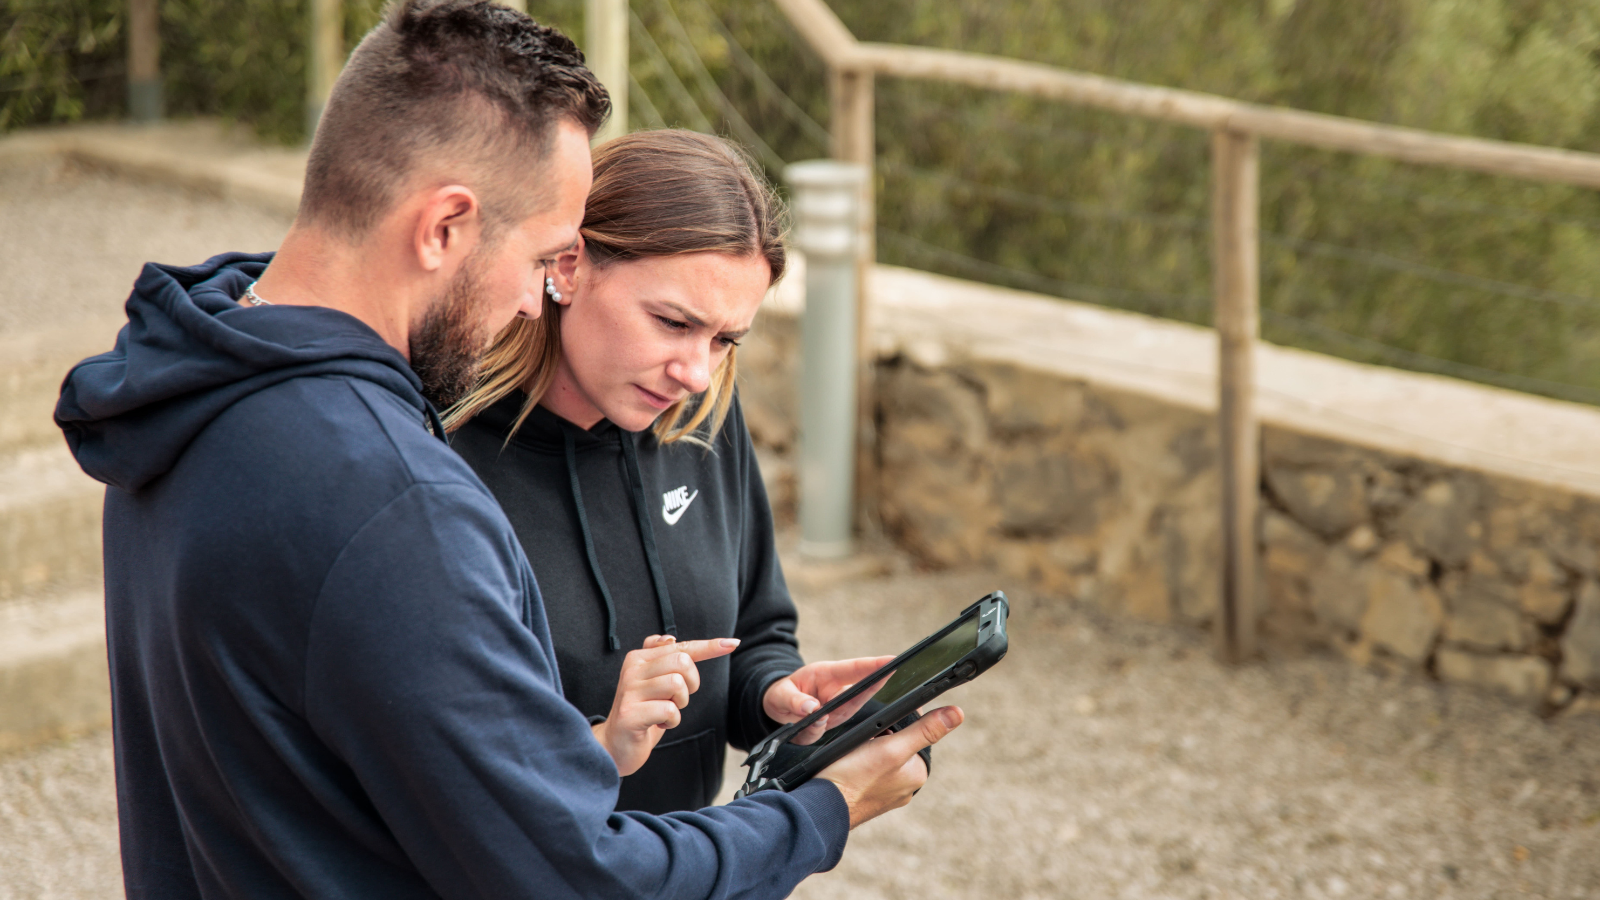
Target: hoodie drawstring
x,y
434,423
588,540
647,534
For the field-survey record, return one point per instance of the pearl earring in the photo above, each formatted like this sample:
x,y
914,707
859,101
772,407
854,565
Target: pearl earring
x,y
550,288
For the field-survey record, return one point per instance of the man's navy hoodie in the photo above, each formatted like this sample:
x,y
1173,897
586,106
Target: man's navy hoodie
x,y
331,672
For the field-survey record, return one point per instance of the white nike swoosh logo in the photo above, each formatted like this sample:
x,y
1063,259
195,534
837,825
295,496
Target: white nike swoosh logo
x,y
673,516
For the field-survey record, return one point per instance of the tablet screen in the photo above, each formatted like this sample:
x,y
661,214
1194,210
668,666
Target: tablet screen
x,y
922,666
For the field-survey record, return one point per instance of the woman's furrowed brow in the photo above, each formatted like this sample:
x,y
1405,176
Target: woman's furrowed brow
x,y
699,322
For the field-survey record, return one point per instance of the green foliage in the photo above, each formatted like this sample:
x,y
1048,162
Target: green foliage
x,y
1486,278
243,60
59,60
1480,277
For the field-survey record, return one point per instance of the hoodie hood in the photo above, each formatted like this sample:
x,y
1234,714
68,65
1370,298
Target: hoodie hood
x,y
190,351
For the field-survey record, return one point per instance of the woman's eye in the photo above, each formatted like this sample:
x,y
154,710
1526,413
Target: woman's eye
x,y
674,324
727,342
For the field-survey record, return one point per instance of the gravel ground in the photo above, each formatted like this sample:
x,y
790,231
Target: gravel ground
x,y
1103,759
58,823
72,240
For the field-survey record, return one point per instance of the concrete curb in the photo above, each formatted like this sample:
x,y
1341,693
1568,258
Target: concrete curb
x,y
49,523
32,365
199,155
54,680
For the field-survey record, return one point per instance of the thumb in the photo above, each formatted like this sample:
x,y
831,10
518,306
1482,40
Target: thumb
x,y
927,731
787,703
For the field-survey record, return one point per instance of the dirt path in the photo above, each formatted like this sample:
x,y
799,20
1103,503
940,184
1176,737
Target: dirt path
x,y
1104,759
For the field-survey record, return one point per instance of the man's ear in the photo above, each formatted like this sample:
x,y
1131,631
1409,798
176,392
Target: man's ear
x,y
448,228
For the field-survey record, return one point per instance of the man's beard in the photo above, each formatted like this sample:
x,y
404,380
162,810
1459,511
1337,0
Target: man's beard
x,y
447,347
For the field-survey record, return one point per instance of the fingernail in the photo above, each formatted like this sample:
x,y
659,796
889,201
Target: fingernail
x,y
729,642
809,706
950,717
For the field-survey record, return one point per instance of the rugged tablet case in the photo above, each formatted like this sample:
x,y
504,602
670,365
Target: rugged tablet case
x,y
776,764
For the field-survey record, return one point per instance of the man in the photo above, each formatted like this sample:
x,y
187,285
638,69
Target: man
x,y
331,673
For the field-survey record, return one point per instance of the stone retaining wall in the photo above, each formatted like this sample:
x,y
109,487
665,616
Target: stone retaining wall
x,y
1110,495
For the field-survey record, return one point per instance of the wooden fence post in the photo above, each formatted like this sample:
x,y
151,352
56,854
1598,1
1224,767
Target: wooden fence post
x,y
605,38
324,59
850,93
145,101
1235,183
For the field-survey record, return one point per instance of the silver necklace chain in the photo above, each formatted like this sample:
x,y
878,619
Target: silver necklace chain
x,y
250,294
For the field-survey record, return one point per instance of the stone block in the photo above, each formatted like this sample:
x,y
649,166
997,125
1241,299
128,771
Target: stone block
x,y
1526,678
1296,450
1399,557
1340,592
1191,550
1442,521
1361,540
1484,615
1402,616
1386,491
939,505
934,488
783,489
767,379
1546,596
1144,591
1025,400
932,411
1062,566
1290,556
1329,502
1580,645
1573,550
1043,489
1195,449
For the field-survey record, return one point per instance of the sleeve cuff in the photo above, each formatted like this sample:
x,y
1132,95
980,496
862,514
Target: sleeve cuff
x,y
823,802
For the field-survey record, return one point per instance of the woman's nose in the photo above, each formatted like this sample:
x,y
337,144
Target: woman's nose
x,y
693,369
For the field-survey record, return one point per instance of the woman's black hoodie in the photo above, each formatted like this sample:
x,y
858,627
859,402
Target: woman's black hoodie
x,y
681,538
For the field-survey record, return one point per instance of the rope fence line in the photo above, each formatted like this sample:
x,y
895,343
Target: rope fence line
x,y
756,73
637,92
709,86
976,119
1200,226
675,84
1082,210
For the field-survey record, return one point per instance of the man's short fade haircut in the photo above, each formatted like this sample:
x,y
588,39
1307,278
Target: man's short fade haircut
x,y
467,87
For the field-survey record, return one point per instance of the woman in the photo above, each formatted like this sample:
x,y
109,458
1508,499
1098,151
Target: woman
x,y
611,433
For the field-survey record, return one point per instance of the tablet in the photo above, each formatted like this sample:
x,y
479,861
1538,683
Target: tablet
x,y
953,655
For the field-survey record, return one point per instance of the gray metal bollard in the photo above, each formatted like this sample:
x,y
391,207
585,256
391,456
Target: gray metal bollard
x,y
827,212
